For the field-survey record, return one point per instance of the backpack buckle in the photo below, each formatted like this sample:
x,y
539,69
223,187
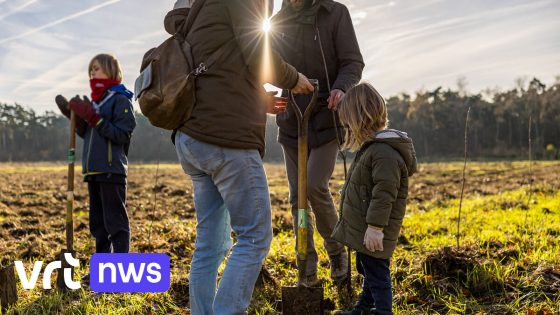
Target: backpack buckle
x,y
200,69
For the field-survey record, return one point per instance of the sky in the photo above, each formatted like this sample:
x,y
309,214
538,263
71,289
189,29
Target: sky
x,y
408,45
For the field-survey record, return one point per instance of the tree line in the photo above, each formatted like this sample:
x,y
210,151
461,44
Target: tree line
x,y
435,119
498,124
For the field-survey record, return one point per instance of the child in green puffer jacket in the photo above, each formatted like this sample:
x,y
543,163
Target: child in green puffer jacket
x,y
374,196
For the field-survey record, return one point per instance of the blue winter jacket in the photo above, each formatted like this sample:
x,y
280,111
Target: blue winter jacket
x,y
106,146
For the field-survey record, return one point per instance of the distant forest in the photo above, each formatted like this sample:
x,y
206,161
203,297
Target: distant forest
x,y
498,127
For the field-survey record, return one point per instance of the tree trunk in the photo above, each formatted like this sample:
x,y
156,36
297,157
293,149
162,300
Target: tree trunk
x,y
497,139
556,135
537,138
8,291
476,147
510,137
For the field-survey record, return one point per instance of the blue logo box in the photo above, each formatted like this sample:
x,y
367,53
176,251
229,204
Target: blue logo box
x,y
133,272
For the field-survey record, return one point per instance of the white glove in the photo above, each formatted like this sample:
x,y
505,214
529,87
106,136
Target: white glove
x,y
373,239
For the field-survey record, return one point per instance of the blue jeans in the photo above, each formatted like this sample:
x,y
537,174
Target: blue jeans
x,y
230,192
377,289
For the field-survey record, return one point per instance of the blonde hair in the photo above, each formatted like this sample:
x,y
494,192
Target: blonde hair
x,y
362,112
109,64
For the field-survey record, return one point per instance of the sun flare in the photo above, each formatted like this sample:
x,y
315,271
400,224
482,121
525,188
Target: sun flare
x,y
266,26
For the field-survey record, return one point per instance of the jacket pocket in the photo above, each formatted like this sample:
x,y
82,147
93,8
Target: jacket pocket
x,y
348,235
204,155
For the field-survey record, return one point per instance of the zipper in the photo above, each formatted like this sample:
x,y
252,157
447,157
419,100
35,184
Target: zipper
x,y
110,150
89,150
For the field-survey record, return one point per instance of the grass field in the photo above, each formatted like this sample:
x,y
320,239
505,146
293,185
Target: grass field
x,y
508,260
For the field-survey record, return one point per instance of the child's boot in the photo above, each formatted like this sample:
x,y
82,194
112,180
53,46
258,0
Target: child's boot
x,y
357,310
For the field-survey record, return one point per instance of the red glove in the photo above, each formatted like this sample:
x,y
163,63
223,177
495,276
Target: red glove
x,y
84,110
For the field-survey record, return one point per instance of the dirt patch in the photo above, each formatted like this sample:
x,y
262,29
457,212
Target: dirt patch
x,y
282,221
179,291
507,255
462,268
5,210
178,192
450,262
302,300
548,279
8,225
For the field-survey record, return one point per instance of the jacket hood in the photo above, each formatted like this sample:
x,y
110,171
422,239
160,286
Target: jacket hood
x,y
121,89
179,4
399,141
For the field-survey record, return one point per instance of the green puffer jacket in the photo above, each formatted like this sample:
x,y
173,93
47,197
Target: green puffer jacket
x,y
376,190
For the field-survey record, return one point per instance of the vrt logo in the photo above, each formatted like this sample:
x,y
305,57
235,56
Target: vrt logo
x,y
116,272
29,283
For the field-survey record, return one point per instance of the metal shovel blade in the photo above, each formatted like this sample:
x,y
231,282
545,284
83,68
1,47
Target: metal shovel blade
x,y
60,282
302,300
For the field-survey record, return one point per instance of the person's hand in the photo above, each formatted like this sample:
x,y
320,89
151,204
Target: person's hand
x,y
84,110
373,239
275,104
280,104
303,85
62,104
334,98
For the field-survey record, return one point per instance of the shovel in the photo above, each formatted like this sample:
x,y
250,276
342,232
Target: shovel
x,y
60,283
302,299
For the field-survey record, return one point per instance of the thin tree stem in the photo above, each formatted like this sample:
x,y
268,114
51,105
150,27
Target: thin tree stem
x,y
530,173
463,180
152,214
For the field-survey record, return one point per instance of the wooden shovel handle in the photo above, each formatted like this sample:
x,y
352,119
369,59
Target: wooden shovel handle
x,y
303,121
70,191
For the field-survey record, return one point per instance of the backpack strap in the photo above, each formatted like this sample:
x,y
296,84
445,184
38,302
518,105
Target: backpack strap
x,y
185,30
217,55
191,17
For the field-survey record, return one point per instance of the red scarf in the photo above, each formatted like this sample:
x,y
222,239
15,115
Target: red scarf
x,y
99,86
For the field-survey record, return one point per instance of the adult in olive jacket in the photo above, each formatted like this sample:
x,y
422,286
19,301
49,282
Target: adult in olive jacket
x,y
220,146
230,97
317,37
376,191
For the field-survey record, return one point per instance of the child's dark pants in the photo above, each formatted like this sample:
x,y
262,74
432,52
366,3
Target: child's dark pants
x,y
108,220
376,291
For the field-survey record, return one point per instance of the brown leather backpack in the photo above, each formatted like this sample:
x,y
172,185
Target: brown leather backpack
x,y
166,87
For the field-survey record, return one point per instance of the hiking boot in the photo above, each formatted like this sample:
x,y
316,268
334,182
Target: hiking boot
x,y
339,267
357,310
312,281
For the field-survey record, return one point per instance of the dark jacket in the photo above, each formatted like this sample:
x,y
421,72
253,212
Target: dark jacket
x,y
230,106
106,146
375,192
296,38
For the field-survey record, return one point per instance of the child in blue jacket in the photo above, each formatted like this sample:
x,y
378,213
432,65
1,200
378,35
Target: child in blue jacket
x,y
106,124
